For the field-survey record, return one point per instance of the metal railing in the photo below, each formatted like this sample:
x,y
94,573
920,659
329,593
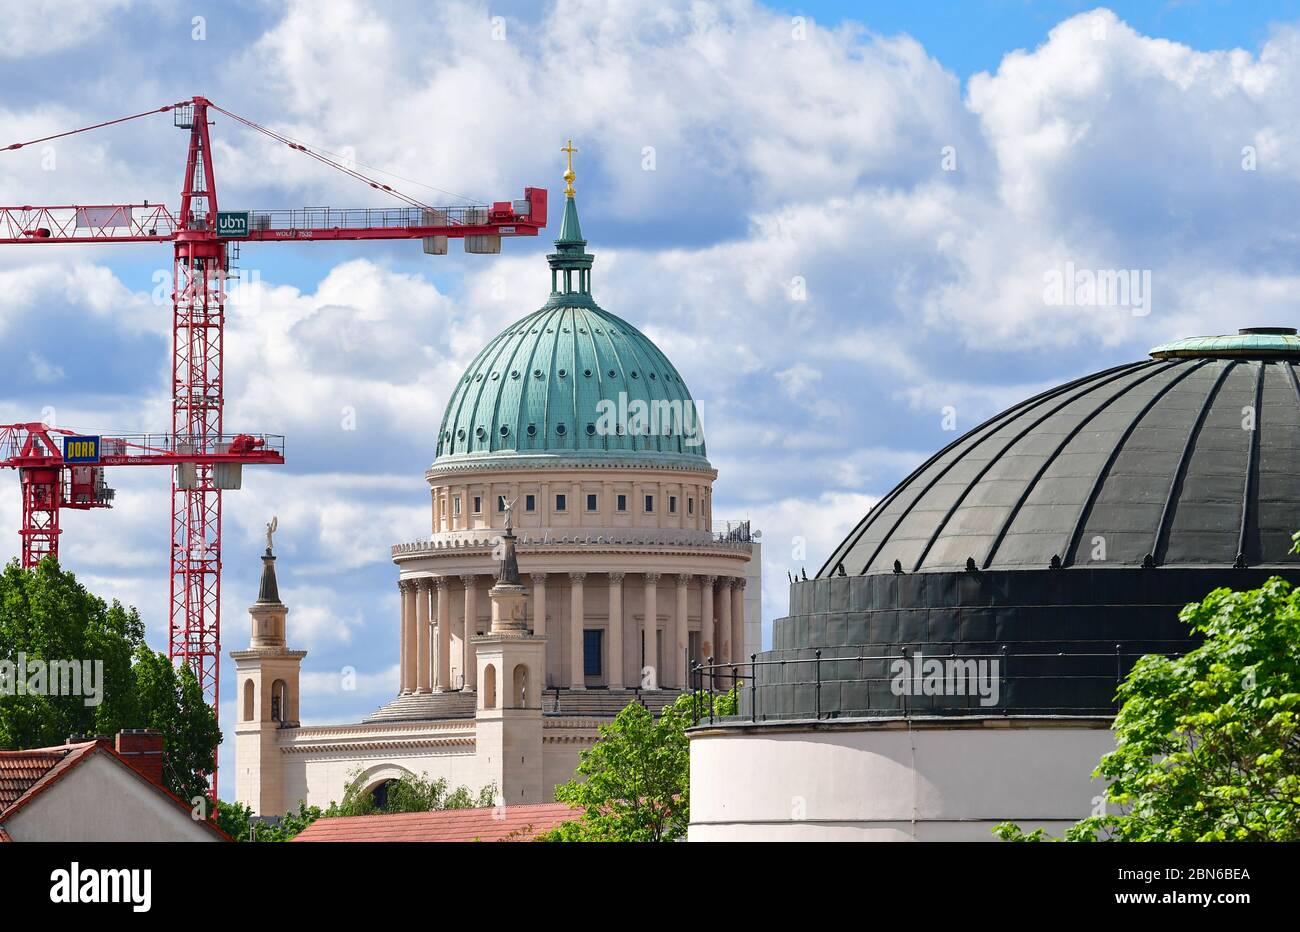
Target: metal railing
x,y
363,218
733,532
819,675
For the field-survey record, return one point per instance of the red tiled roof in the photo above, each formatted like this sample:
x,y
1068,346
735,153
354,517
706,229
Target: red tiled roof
x,y
24,775
22,771
511,823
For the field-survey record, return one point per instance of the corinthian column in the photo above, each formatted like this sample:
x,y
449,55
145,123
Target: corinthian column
x,y
683,637
422,587
738,619
444,633
616,631
575,630
649,625
407,590
467,662
539,603
708,641
724,620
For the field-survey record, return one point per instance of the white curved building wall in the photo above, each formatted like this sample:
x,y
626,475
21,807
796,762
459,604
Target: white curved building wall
x,y
886,781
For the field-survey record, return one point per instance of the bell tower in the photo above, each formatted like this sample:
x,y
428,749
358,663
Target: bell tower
x,y
267,678
511,676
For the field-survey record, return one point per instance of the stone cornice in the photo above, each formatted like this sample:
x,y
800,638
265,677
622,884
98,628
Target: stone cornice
x,y
634,540
379,744
427,735
622,461
267,653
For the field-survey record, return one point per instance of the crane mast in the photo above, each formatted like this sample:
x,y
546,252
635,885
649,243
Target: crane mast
x,y
198,402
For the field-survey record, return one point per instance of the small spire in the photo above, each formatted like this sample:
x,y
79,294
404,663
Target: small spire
x,y
569,174
570,263
268,591
508,575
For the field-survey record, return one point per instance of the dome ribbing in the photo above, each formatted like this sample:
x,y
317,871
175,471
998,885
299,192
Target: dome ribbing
x,y
572,380
1187,459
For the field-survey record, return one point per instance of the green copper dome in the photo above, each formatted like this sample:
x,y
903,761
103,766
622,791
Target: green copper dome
x,y
1250,342
572,382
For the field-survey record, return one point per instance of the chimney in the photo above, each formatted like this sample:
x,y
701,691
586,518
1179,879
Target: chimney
x,y
142,748
104,741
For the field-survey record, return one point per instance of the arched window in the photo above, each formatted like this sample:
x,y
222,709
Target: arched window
x,y
379,795
279,691
248,700
490,686
520,692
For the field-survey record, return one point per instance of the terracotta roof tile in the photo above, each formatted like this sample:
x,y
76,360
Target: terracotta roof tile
x,y
513,823
20,771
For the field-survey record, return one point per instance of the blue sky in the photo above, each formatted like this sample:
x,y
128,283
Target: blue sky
x,y
837,227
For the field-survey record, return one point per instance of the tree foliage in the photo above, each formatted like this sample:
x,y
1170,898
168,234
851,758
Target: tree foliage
x,y
635,780
410,793
1207,744
46,615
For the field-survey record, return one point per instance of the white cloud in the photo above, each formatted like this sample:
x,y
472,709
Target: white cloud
x,y
35,28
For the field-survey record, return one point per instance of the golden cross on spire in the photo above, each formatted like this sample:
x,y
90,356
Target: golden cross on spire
x,y
569,174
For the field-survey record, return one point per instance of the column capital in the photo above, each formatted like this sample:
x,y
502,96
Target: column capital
x,y
442,583
616,578
577,576
709,580
405,585
651,578
738,582
683,579
538,577
726,582
423,583
469,580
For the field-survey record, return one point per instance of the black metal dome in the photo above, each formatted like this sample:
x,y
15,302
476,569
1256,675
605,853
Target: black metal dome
x,y
1187,459
1059,539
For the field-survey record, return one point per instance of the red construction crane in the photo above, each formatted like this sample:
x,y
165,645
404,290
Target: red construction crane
x,y
202,236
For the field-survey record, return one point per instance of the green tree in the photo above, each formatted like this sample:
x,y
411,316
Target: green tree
x,y
46,615
1207,746
410,793
635,780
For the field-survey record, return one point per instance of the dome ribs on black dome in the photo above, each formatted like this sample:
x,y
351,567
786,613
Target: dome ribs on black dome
x,y
999,457
1195,529
973,438
1252,472
1072,544
1033,483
